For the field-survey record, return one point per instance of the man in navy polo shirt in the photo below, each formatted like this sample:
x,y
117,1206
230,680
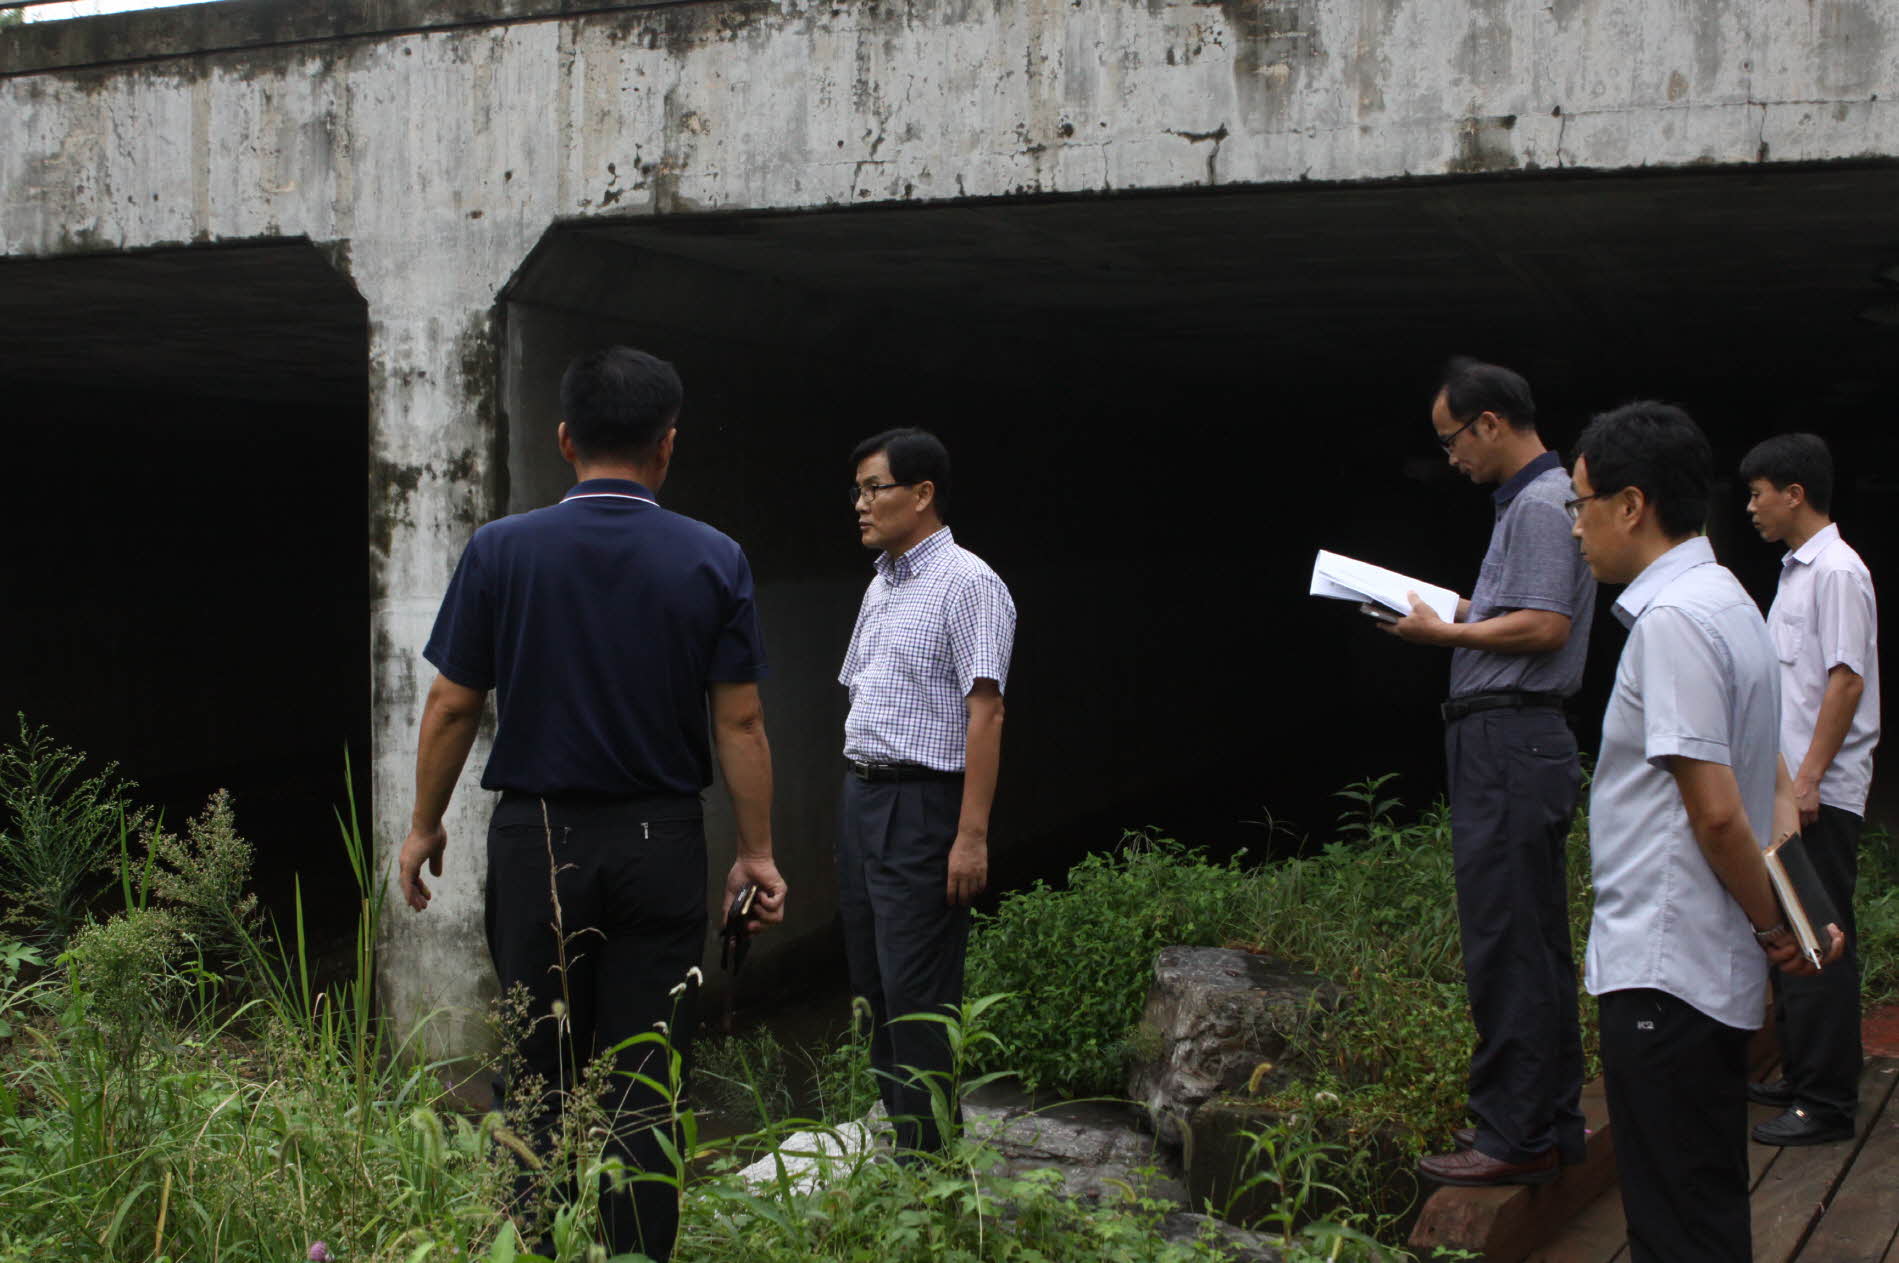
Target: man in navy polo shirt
x,y
605,625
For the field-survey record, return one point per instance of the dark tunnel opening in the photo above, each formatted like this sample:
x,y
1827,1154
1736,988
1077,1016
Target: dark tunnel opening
x,y
1160,407
186,567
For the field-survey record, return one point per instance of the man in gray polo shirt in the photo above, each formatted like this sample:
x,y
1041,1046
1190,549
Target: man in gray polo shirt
x,y
1518,647
1688,787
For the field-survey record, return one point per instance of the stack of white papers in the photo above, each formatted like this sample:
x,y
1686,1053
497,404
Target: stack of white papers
x,y
1345,579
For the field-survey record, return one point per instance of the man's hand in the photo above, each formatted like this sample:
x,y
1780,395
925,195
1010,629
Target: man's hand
x,y
421,844
1784,952
1421,626
769,907
1807,799
968,869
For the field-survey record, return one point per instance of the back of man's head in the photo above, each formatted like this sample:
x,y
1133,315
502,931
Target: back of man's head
x,y
915,456
618,403
1787,459
1659,449
1471,388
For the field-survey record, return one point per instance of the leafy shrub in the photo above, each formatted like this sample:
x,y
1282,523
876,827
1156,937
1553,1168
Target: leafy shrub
x,y
59,832
201,878
1078,961
1876,915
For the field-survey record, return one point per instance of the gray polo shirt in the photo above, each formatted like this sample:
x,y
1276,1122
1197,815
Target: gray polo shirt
x,y
1697,679
1532,564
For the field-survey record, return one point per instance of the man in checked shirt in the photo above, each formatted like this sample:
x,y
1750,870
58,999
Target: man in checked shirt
x,y
926,667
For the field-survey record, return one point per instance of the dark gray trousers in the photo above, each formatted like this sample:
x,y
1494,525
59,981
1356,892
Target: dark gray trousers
x,y
903,941
1817,1017
1676,1082
1514,778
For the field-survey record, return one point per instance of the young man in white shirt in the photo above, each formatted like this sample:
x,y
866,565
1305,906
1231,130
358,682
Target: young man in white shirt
x,y
1824,624
1689,786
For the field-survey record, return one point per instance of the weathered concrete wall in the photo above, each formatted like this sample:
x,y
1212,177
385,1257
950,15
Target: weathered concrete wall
x,y
429,144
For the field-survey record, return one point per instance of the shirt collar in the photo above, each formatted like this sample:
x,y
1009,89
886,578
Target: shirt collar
x,y
609,487
1661,572
1523,477
1810,551
913,562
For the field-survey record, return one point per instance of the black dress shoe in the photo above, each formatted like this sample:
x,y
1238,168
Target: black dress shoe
x,y
1780,1092
1797,1127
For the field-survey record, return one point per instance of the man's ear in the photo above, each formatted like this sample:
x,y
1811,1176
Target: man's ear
x,y
926,494
1796,494
565,441
1631,503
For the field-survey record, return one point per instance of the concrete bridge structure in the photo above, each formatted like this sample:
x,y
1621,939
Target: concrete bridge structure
x,y
1171,277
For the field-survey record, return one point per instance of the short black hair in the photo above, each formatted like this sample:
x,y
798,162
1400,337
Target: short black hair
x,y
618,402
1659,449
1789,458
1471,388
915,456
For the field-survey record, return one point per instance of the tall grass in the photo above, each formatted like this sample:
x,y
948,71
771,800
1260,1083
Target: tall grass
x,y
183,1091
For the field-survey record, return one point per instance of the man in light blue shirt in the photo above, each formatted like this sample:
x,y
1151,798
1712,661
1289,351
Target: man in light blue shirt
x,y
1689,787
1825,627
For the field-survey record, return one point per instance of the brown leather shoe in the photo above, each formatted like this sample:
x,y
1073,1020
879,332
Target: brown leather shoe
x,y
1471,1168
1465,1137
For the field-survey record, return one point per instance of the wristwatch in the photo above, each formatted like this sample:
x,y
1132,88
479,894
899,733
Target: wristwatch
x,y
1768,935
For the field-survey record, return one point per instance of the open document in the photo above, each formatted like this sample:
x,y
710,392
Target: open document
x,y
1345,579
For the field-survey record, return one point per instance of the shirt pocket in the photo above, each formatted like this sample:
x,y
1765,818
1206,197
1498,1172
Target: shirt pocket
x,y
1790,636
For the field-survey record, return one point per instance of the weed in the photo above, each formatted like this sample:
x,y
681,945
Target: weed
x,y
58,833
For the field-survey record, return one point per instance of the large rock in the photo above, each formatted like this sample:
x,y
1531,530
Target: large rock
x,y
1219,1020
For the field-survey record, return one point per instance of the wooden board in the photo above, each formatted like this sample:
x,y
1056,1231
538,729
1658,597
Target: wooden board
x,y
1505,1224
1599,1235
1801,1180
1861,1218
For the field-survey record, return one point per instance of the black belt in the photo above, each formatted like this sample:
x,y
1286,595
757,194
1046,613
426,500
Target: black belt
x,y
1498,699
898,772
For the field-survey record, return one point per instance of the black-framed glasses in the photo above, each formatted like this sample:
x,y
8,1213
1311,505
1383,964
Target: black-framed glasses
x,y
1574,507
869,490
1446,440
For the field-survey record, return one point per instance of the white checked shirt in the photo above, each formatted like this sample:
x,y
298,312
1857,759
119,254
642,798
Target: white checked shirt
x,y
1824,616
933,622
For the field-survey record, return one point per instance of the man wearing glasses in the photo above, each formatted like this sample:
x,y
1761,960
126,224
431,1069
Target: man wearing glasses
x,y
1688,788
926,667
1518,648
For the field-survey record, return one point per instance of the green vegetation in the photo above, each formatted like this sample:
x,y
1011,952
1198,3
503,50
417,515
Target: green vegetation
x,y
1876,914
174,1084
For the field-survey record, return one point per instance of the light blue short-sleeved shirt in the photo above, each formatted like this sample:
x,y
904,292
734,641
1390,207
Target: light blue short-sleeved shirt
x,y
1824,616
1698,679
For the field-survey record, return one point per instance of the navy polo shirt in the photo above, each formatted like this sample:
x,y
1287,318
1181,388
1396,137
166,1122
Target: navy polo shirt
x,y
599,622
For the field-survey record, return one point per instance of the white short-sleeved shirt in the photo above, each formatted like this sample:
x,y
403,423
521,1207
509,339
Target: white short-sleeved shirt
x,y
1824,616
1696,679
932,623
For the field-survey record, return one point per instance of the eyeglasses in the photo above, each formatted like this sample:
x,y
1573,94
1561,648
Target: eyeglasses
x,y
1574,507
869,490
1446,440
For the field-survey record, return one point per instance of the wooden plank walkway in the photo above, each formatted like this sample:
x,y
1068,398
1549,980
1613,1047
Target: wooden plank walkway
x,y
1816,1204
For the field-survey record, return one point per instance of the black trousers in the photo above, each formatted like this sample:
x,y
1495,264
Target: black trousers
x,y
625,883
1817,1017
1514,778
1676,1082
903,941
